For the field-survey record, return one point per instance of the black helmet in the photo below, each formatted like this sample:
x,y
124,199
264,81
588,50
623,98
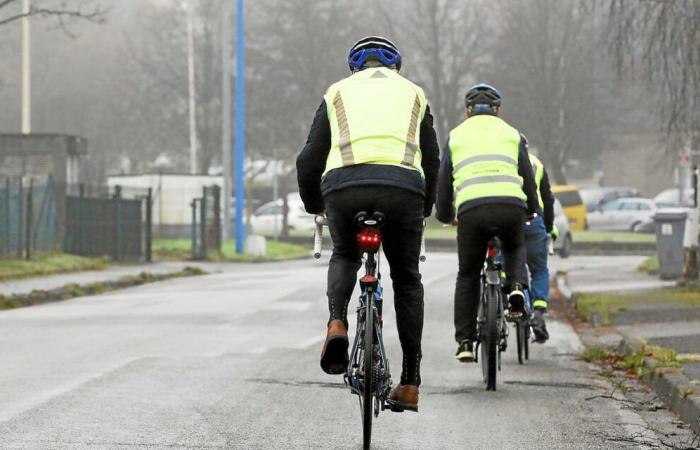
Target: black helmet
x,y
482,97
381,49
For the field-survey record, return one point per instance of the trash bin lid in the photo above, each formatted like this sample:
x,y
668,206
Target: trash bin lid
x,y
670,214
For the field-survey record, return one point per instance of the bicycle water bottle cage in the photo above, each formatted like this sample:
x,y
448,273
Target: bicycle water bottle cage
x,y
369,238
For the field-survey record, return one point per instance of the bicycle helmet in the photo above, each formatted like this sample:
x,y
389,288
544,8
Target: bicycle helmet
x,y
482,98
376,47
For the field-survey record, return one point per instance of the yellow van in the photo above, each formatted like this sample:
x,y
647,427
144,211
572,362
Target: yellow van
x,y
574,208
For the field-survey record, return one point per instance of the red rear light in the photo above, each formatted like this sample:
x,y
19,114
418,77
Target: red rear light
x,y
369,240
491,252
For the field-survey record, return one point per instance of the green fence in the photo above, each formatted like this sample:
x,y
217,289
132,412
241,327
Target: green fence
x,y
27,215
109,223
206,223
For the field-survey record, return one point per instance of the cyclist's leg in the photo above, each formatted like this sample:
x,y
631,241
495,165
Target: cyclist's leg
x,y
511,220
471,247
402,237
536,244
345,260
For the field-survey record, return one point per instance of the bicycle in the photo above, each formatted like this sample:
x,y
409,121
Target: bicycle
x,y
368,374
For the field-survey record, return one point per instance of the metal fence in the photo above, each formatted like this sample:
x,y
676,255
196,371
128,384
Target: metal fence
x,y
206,223
113,222
27,216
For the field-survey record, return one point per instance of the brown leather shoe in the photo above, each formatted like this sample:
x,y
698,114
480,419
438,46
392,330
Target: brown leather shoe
x,y
403,398
334,356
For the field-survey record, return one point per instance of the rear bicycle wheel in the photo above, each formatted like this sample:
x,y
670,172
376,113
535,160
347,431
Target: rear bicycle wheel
x,y
527,341
368,393
490,344
521,339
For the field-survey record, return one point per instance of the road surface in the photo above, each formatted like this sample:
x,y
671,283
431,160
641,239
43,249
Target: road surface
x,y
230,360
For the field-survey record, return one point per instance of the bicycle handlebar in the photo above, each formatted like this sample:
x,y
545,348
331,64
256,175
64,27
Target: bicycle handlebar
x,y
320,220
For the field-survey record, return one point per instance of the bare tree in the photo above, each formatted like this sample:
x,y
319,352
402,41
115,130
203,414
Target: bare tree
x,y
662,39
443,46
63,11
546,66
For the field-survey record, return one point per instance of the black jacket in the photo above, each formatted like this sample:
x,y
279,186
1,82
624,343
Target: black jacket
x,y
548,201
311,164
445,190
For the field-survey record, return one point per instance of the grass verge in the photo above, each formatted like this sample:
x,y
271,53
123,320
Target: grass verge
x,y
603,305
613,236
180,250
73,290
649,266
43,264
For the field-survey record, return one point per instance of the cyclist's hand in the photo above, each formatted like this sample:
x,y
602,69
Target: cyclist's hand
x,y
455,222
554,233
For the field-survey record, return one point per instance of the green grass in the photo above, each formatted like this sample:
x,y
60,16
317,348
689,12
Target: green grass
x,y
179,249
613,236
43,264
650,265
595,354
603,304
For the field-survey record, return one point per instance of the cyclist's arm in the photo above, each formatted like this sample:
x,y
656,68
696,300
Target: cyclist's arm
x,y
445,192
528,175
430,162
311,162
548,200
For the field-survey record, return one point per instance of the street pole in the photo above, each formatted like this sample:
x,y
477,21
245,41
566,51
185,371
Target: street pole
x,y
226,110
240,125
192,90
26,69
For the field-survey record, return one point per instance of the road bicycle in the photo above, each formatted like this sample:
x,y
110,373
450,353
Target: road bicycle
x,y
368,374
493,318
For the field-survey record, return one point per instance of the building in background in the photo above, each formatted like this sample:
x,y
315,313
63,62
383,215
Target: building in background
x,y
172,198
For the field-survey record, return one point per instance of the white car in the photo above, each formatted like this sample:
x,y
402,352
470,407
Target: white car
x,y
671,198
565,242
623,214
267,220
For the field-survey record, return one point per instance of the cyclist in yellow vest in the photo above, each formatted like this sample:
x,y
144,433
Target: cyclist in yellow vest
x,y
486,181
536,232
372,147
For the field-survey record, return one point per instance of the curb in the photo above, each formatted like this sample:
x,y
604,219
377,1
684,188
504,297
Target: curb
x,y
673,388
676,391
670,385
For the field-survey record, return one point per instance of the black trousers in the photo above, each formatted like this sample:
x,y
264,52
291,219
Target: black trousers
x,y
476,227
401,243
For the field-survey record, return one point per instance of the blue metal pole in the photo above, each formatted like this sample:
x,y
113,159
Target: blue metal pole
x,y
240,126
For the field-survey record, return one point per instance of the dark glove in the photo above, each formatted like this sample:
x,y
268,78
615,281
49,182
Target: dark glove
x,y
427,211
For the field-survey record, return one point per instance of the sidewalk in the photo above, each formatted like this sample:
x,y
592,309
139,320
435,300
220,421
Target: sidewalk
x,y
638,309
112,272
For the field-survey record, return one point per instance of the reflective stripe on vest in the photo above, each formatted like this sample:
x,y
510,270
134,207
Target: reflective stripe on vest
x,y
538,167
484,151
375,116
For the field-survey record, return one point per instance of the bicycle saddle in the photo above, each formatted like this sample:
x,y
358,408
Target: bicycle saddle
x,y
364,219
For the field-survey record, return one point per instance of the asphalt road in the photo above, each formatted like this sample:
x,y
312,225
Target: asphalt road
x,y
230,360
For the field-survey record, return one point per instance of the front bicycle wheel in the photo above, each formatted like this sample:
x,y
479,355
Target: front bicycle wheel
x,y
489,350
368,394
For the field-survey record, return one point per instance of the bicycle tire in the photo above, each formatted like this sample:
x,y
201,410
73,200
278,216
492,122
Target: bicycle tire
x,y
521,339
491,336
527,342
368,394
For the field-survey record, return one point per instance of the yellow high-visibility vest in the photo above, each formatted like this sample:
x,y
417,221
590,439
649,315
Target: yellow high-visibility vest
x,y
484,151
375,117
538,167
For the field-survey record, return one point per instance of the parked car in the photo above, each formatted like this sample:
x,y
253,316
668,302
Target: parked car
x,y
595,198
573,205
624,214
565,241
267,219
671,198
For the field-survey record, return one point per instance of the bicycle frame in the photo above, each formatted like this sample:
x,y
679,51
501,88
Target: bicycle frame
x,y
354,377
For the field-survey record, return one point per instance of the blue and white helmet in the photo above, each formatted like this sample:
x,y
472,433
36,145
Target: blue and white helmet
x,y
377,47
